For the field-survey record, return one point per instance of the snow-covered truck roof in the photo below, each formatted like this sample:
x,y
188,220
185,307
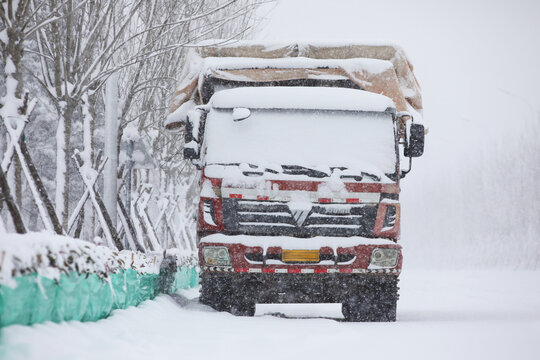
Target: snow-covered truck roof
x,y
381,69
315,98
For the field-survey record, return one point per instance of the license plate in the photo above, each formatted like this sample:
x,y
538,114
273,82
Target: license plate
x,y
300,256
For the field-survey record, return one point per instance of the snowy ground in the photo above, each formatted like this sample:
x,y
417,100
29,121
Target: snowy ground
x,y
442,315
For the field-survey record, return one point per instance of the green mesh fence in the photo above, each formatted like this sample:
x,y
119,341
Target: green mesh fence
x,y
84,297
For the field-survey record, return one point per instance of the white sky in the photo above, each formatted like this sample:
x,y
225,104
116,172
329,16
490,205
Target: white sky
x,y
466,53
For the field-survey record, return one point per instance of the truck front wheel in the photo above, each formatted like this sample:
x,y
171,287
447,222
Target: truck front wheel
x,y
242,296
242,308
374,300
225,293
215,292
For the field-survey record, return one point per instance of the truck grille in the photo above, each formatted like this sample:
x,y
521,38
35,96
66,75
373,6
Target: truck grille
x,y
276,218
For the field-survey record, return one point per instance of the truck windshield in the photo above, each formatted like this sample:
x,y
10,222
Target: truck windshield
x,y
316,139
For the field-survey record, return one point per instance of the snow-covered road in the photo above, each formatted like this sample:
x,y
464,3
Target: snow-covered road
x,y
441,315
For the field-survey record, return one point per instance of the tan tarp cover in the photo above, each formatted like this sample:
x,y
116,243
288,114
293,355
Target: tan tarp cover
x,y
397,81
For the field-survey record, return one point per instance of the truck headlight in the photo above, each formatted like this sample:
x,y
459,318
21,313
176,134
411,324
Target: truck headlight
x,y
385,258
216,256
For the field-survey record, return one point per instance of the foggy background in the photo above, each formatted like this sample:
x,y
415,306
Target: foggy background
x,y
472,200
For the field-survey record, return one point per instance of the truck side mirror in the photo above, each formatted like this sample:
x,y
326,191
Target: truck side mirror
x,y
240,114
192,135
415,147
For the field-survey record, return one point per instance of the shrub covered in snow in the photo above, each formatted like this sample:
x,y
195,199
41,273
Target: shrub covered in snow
x,y
51,255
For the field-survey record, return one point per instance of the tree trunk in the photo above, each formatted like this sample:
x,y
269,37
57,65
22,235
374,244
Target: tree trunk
x,y
42,192
12,207
63,135
87,157
18,181
110,178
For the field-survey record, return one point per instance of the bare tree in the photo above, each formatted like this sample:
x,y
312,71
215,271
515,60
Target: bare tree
x,y
148,85
79,44
19,22
75,52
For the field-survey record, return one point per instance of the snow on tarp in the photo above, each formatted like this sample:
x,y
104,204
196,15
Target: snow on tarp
x,y
374,66
180,113
259,62
301,98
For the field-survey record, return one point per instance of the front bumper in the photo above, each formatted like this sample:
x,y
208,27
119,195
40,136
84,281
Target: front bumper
x,y
269,248
298,270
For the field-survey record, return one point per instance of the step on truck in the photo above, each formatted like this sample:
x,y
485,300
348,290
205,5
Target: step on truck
x,y
301,149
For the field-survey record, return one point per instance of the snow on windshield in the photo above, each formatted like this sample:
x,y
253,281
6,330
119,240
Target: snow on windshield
x,y
301,97
310,138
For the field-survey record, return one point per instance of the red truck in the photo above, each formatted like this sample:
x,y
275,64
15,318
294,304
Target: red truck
x,y
301,160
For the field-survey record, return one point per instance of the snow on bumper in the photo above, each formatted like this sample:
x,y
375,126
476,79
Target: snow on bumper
x,y
351,255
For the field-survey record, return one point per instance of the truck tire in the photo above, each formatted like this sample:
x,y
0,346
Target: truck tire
x,y
242,301
374,301
242,308
223,294
215,292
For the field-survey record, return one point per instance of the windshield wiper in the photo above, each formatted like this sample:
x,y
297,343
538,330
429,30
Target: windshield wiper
x,y
354,177
373,176
255,172
302,170
361,176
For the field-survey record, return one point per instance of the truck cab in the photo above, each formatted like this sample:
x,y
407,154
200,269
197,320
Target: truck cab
x,y
299,197
301,148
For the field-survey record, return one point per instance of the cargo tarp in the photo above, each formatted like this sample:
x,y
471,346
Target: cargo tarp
x,y
250,62
83,297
